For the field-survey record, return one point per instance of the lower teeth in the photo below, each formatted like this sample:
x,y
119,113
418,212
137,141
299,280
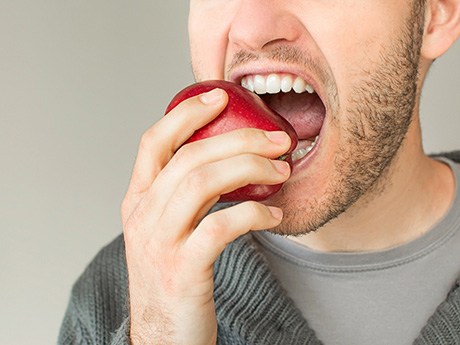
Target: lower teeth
x,y
300,153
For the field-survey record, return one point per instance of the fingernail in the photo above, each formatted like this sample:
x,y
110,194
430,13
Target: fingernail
x,y
279,137
282,167
276,212
211,97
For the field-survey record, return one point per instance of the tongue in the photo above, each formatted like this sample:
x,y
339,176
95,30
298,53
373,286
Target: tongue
x,y
305,112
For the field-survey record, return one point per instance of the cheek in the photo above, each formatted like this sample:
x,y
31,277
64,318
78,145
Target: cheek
x,y
354,35
208,35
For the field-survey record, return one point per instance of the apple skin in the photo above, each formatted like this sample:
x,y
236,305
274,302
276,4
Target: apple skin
x,y
244,110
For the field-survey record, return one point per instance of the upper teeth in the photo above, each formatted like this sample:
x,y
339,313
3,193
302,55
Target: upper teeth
x,y
274,83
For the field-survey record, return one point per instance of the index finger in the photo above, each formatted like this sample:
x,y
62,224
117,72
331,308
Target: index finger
x,y
160,142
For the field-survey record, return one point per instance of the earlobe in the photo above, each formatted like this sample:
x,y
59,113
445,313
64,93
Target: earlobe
x,y
442,27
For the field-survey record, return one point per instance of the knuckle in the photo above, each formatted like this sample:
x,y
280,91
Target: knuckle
x,y
245,135
147,139
250,160
182,155
185,109
215,226
215,223
133,221
249,136
197,179
253,209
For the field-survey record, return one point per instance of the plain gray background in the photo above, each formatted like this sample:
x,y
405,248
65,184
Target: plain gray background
x,y
80,81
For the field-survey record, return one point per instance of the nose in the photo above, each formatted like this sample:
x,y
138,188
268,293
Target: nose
x,y
259,24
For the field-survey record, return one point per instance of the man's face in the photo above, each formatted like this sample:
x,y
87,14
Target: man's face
x,y
361,57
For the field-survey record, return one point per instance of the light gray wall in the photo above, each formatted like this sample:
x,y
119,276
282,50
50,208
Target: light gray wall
x,y
79,83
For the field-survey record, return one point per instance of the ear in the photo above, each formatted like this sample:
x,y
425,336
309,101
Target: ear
x,y
442,27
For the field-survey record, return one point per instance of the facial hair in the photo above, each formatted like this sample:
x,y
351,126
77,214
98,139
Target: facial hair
x,y
379,112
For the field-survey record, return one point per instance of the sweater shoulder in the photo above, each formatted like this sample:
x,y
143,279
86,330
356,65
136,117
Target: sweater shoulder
x,y
99,298
106,272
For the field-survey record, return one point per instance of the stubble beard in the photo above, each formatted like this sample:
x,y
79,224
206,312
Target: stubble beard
x,y
380,112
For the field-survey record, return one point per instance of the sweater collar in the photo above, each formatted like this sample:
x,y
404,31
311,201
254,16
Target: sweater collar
x,y
251,305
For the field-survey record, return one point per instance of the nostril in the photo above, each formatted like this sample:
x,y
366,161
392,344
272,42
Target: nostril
x,y
257,26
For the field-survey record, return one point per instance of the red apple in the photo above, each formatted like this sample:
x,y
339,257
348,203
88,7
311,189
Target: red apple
x,y
244,110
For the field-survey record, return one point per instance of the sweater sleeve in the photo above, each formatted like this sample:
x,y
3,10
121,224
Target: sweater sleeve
x,y
444,326
73,331
97,313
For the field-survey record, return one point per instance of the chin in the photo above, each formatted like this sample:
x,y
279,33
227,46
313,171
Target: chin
x,y
305,207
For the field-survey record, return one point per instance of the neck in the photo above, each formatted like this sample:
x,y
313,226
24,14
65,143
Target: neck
x,y
413,194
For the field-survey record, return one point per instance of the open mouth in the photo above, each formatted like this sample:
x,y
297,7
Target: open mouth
x,y
294,99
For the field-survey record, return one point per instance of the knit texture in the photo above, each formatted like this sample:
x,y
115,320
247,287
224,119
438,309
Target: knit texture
x,y
444,326
97,312
251,306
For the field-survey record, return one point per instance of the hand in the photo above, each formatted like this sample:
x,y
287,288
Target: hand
x,y
170,247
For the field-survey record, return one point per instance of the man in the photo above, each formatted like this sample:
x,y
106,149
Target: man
x,y
371,224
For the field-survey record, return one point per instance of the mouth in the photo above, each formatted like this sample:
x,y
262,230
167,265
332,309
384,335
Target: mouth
x,y
296,100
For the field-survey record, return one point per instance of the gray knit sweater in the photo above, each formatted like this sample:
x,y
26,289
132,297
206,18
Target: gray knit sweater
x,y
251,306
